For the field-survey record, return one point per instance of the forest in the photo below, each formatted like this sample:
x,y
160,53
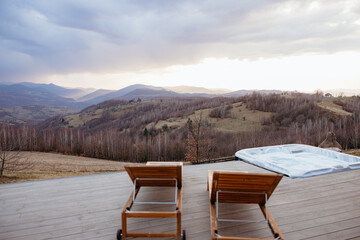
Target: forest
x,y
127,130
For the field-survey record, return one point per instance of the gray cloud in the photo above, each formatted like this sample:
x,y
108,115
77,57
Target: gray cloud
x,y
43,37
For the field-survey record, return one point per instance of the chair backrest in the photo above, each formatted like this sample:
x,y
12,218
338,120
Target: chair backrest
x,y
154,173
242,187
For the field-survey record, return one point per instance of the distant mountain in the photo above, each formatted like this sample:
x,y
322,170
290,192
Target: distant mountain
x,y
19,95
131,92
97,93
149,93
247,92
199,90
60,91
26,93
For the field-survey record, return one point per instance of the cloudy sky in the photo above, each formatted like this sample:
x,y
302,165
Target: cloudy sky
x,y
257,44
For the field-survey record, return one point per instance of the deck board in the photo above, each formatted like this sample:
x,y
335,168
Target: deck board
x,y
89,207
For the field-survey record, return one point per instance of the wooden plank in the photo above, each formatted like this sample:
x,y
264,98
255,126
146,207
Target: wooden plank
x,y
326,229
138,214
239,238
89,207
213,186
350,233
151,234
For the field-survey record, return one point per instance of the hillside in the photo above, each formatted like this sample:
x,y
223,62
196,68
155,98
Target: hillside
x,y
73,93
174,127
94,94
30,114
199,90
328,104
112,112
27,93
239,119
18,95
122,114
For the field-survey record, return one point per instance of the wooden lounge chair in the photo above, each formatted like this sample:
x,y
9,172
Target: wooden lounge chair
x,y
154,175
241,187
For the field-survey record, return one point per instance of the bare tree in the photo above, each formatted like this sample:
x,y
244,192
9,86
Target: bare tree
x,y
12,161
195,148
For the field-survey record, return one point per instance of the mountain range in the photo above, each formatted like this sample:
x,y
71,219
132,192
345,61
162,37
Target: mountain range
x,y
27,93
21,95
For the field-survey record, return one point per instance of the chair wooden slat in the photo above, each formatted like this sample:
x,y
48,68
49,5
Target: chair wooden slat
x,y
157,175
155,171
244,182
241,187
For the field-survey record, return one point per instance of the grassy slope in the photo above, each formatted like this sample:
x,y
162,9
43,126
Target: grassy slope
x,y
78,119
241,119
328,104
19,115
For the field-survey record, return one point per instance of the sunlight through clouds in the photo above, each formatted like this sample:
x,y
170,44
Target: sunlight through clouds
x,y
302,73
285,45
305,73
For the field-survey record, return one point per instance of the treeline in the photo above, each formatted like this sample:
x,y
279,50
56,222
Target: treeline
x,y
286,110
132,136
155,145
351,106
135,115
306,122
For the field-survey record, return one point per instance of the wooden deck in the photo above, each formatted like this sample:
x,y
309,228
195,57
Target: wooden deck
x,y
89,207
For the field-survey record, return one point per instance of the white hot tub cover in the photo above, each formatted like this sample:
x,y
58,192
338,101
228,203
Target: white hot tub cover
x,y
298,160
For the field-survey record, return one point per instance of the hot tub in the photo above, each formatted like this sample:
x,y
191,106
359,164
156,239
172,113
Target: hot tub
x,y
298,160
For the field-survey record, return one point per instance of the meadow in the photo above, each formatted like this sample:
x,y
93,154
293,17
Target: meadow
x,y
42,165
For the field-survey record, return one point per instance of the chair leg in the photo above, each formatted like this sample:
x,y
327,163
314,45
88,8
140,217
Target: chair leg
x,y
272,224
213,221
127,207
123,224
178,232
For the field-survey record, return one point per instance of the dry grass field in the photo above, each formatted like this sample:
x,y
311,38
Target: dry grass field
x,y
51,165
327,103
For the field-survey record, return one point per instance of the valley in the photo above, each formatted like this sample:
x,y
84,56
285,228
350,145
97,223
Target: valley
x,y
168,128
150,126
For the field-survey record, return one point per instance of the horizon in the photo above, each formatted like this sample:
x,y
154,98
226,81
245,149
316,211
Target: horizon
x,y
217,91
263,45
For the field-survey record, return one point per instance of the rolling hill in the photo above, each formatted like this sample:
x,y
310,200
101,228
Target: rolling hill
x,y
74,93
19,95
26,93
133,92
94,94
30,114
197,90
56,97
166,128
